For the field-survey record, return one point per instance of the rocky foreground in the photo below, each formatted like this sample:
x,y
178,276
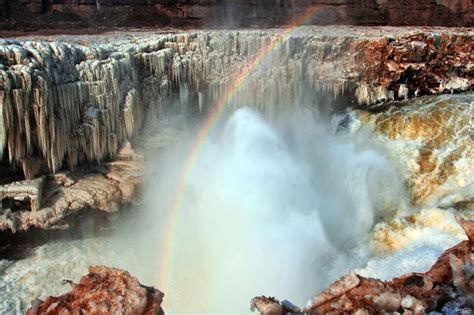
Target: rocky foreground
x,y
103,291
44,202
447,287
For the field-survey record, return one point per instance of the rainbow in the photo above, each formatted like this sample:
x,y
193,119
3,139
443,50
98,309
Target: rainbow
x,y
210,122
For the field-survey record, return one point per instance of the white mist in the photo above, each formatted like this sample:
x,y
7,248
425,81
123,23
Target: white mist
x,y
269,208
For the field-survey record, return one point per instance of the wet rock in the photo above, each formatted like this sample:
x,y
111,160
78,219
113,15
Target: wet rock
x,y
447,285
266,305
103,291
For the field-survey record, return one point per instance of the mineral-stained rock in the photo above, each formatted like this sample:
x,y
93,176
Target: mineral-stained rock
x,y
415,65
448,282
103,291
432,140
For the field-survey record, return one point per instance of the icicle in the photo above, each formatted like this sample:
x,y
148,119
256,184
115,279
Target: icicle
x,y
2,127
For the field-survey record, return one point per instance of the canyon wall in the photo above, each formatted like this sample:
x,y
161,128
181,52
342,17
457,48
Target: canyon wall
x,y
74,102
75,14
69,103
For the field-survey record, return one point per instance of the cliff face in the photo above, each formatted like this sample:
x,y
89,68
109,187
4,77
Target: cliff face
x,y
73,14
66,104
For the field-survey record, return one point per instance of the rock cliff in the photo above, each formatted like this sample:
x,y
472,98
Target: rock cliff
x,y
74,14
73,102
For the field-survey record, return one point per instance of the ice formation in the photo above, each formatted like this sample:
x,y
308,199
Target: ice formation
x,y
431,138
74,101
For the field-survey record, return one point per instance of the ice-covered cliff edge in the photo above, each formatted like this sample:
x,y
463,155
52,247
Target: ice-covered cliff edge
x,y
76,100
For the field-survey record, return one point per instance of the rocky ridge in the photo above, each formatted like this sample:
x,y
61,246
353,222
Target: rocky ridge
x,y
82,14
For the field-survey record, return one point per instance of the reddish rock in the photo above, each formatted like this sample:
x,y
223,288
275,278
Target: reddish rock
x,y
414,293
417,64
446,285
103,291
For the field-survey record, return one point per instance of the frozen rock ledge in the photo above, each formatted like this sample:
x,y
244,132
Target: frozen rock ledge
x,y
45,202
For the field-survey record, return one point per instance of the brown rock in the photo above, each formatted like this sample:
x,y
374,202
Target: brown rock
x,y
74,14
266,305
414,293
103,291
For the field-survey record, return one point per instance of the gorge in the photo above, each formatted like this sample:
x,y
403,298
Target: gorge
x,y
238,162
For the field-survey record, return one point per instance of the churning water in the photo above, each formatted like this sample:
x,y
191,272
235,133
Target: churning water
x,y
279,208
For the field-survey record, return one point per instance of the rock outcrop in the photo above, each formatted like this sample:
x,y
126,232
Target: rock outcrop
x,y
103,291
51,199
77,14
446,287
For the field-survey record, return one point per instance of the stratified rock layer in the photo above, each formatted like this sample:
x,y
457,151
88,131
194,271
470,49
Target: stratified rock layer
x,y
76,14
103,291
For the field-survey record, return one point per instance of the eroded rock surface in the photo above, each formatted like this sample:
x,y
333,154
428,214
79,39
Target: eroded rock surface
x,y
103,291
